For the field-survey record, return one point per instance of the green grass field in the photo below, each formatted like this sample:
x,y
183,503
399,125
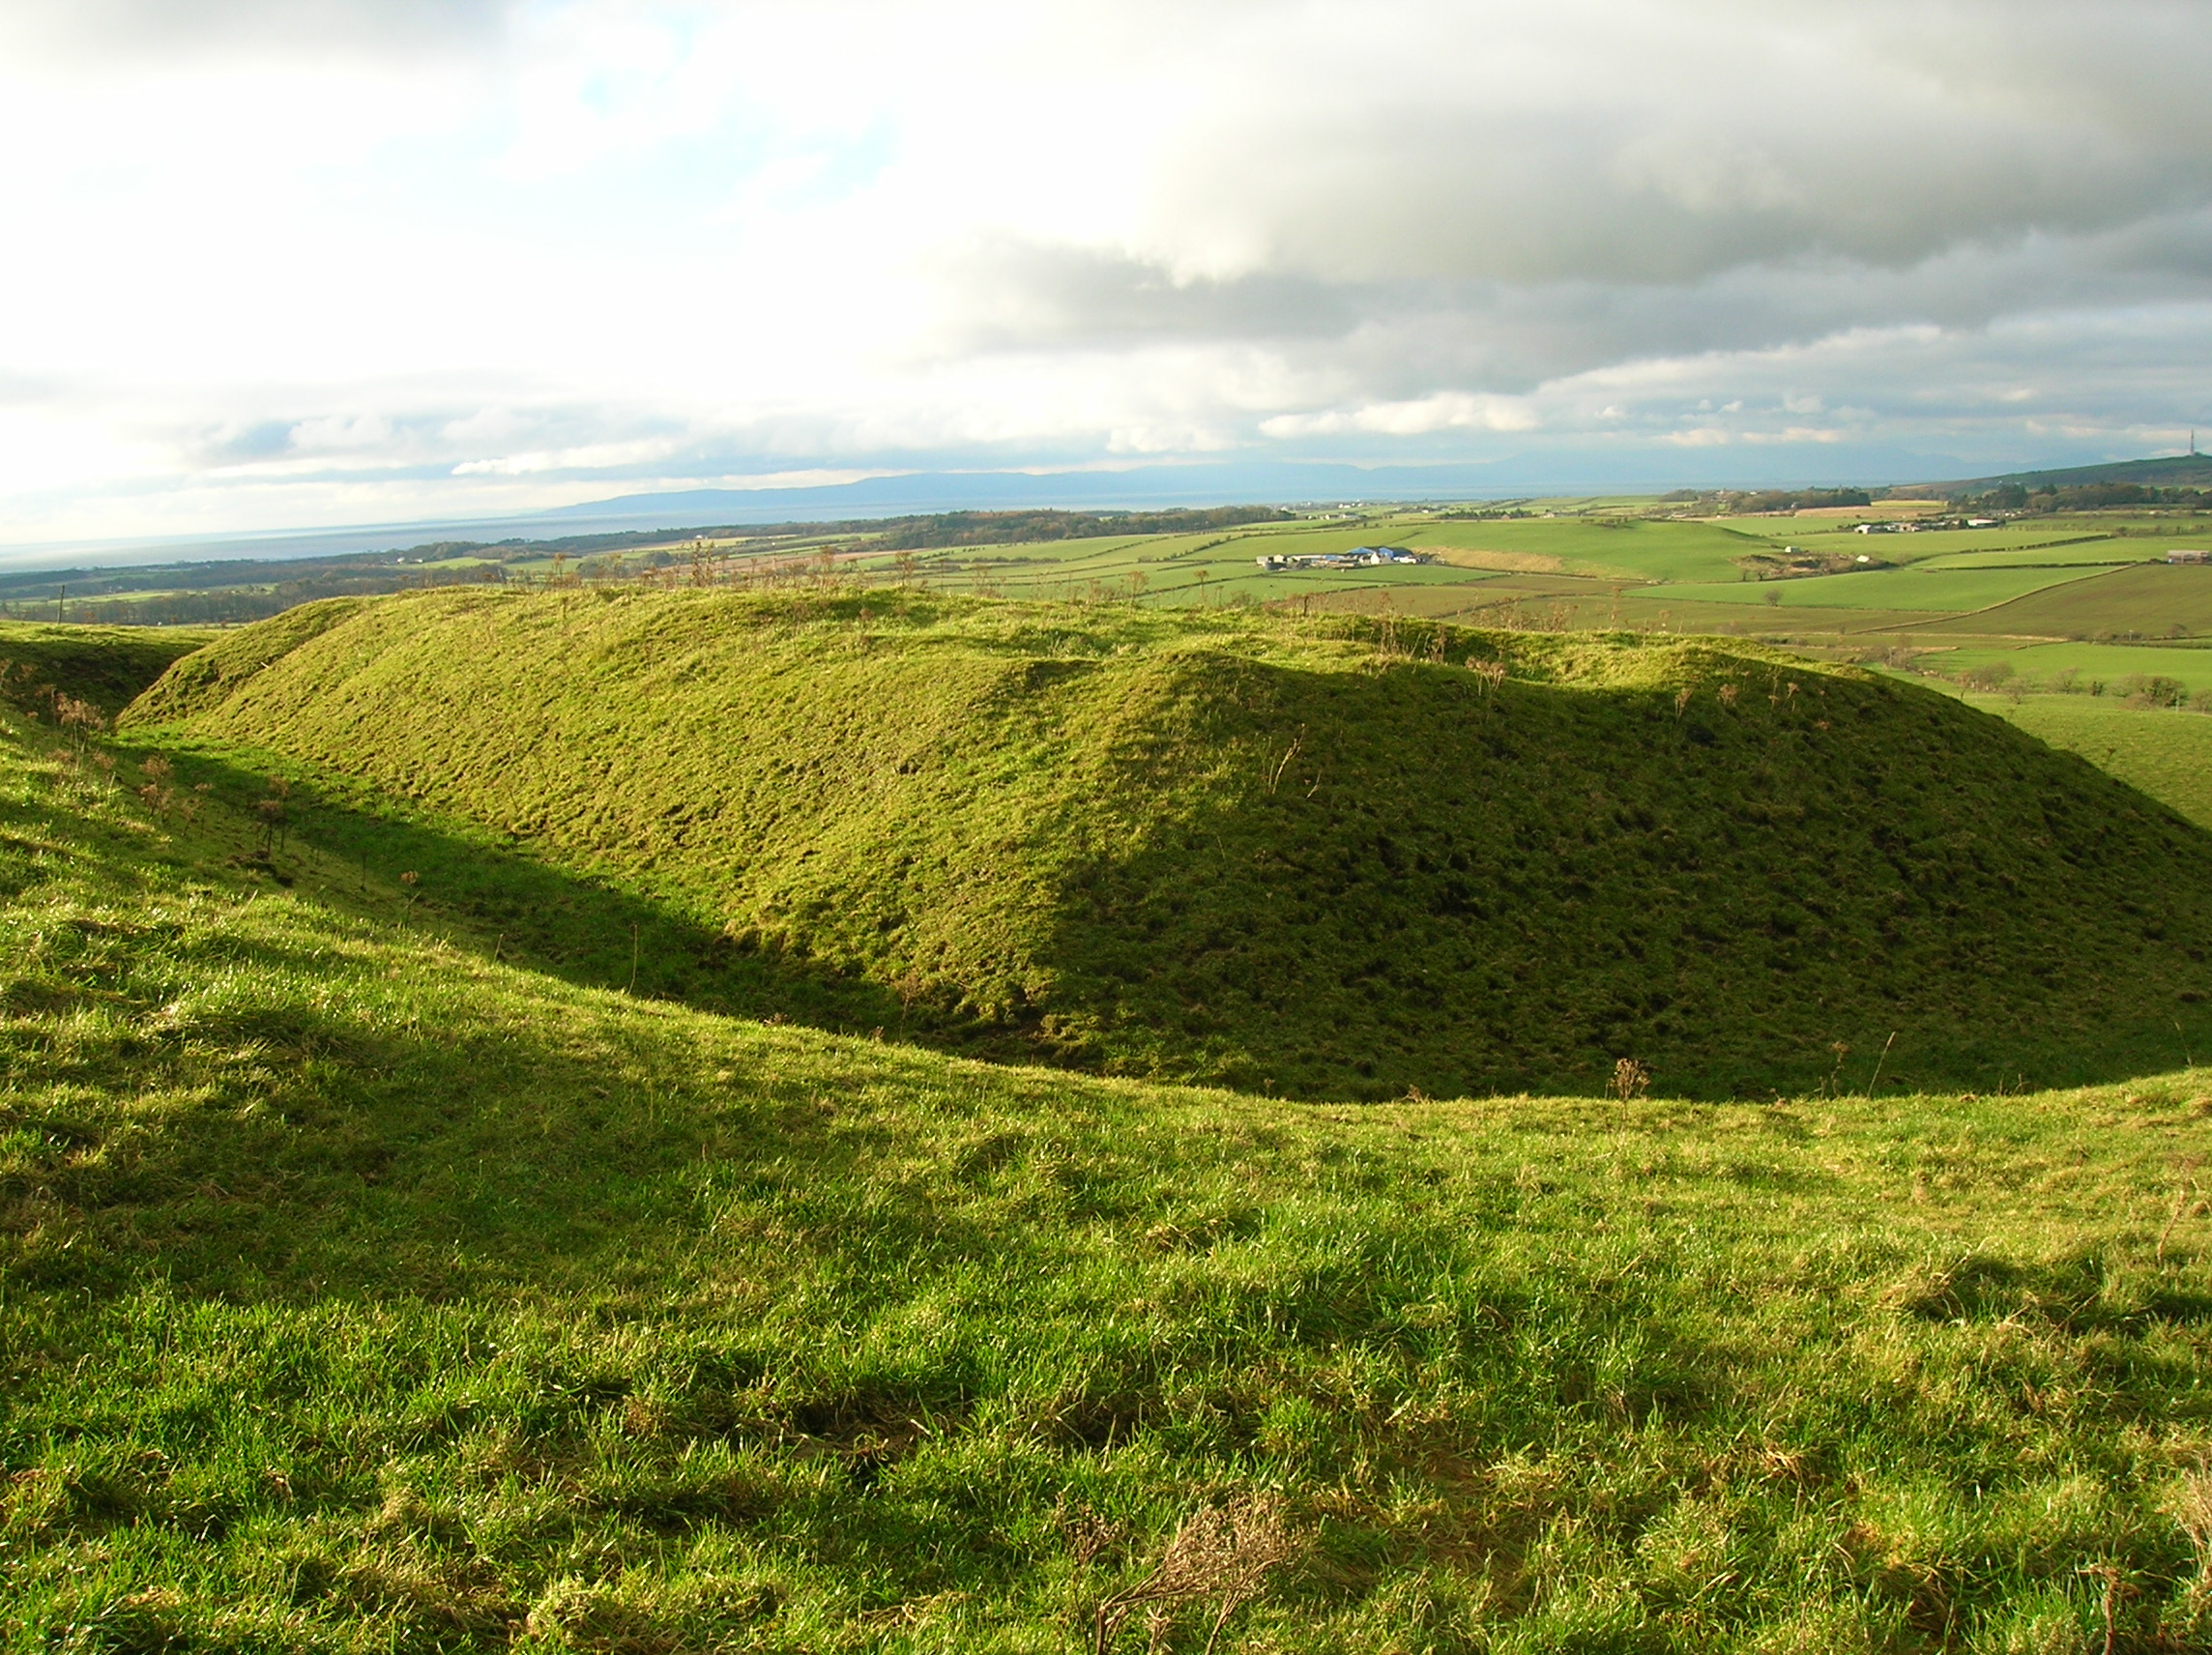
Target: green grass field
x,y
1600,562
1610,548
1606,565
1533,566
2153,600
2111,666
2099,552
1949,590
494,1155
2164,752
363,1290
2045,543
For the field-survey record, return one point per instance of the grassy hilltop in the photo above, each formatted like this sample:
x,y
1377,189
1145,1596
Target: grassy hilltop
x,y
361,1289
1327,859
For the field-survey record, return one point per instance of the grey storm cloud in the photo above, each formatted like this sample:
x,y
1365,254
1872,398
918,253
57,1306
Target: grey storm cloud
x,y
1664,143
1025,293
1399,338
1490,196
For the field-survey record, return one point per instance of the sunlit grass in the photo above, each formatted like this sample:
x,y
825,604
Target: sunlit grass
x,y
361,1292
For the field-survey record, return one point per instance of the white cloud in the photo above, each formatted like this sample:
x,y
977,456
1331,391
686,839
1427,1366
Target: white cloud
x,y
296,253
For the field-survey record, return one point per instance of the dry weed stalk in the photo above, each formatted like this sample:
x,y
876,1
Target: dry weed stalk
x,y
2184,1194
1630,1079
1491,673
81,718
2116,1586
1222,1555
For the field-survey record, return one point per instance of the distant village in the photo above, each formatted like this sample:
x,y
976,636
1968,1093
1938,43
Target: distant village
x,y
1359,557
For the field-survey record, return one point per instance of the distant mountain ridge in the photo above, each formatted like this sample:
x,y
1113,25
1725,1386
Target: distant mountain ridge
x,y
2172,471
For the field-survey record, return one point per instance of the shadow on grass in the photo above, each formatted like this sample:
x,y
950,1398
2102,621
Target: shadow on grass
x,y
527,913
243,1109
1462,894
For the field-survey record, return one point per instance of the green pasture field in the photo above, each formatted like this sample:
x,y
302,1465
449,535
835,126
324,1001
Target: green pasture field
x,y
364,1289
1829,535
1617,549
2112,665
1620,548
1663,607
1480,598
2166,752
1575,561
1598,564
2112,553
2162,529
2151,600
1557,602
1211,568
1950,590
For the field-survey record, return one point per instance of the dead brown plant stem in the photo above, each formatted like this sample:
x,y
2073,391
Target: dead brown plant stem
x,y
2184,1193
1879,1061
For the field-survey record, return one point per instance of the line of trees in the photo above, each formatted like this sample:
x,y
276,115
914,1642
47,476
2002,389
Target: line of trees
x,y
2082,497
1731,499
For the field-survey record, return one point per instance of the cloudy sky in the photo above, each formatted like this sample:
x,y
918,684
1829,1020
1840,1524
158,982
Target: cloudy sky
x,y
276,263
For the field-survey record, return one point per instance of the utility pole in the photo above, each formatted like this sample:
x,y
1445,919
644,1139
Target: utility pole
x,y
61,601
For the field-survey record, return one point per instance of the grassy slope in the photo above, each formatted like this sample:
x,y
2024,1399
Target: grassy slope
x,y
2146,599
103,665
358,1293
2164,752
1242,850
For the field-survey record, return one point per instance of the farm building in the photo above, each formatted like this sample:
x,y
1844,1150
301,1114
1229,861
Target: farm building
x,y
2188,556
1359,557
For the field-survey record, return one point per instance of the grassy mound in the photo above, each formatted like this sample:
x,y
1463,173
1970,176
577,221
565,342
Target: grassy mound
x,y
1351,862
361,1292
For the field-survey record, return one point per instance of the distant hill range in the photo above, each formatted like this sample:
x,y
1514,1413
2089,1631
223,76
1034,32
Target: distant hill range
x,y
2175,471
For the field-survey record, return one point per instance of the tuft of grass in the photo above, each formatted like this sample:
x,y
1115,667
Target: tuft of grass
x,y
361,1291
1336,857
